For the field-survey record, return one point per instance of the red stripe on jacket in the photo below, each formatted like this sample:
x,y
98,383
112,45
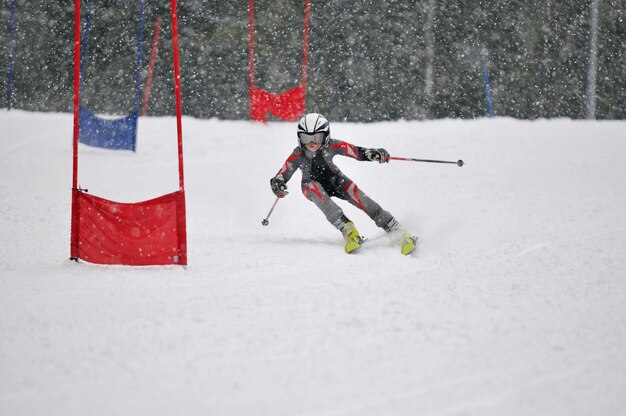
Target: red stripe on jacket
x,y
348,149
290,159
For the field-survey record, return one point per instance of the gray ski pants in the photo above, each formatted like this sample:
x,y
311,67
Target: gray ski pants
x,y
316,193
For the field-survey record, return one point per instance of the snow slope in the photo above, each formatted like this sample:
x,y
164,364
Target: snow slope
x,y
515,303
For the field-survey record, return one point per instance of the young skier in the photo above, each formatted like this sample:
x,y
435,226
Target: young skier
x,y
322,179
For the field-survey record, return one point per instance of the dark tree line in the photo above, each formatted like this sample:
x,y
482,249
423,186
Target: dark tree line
x,y
368,60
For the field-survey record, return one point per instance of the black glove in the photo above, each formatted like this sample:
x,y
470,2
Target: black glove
x,y
378,154
279,187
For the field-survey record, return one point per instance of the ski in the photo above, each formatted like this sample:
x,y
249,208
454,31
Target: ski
x,y
353,246
409,245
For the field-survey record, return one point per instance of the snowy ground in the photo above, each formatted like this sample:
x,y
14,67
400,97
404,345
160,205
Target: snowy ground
x,y
515,303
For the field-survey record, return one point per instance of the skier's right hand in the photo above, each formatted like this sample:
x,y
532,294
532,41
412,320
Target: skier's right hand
x,y
279,187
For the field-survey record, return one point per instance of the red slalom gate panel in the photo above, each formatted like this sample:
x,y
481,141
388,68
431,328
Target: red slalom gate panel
x,y
143,233
138,234
288,105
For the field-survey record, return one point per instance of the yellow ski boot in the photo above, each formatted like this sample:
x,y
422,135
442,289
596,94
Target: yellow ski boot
x,y
352,237
409,243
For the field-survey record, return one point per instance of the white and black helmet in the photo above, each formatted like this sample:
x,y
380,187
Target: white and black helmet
x,y
315,128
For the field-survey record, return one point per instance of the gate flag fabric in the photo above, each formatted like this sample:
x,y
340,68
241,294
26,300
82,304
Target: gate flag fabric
x,y
115,134
288,105
119,133
152,232
137,234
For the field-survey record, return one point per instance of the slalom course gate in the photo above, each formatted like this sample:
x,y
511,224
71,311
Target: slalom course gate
x,y
288,105
146,92
151,232
116,134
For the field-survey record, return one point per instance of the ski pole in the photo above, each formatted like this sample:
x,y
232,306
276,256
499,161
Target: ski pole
x,y
459,163
265,220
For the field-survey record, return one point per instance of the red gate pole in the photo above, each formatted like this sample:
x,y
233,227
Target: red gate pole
x,y
179,124
75,192
155,42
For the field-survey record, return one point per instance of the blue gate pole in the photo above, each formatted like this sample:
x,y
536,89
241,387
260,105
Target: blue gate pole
x,y
85,47
10,56
138,69
488,92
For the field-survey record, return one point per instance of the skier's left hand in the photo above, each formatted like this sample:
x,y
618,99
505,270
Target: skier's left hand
x,y
381,155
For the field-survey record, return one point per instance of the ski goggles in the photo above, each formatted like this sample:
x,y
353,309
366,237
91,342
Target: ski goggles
x,y
317,138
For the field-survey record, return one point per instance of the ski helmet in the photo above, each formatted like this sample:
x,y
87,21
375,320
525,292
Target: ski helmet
x,y
313,127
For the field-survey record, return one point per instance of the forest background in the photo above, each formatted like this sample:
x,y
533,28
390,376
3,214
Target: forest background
x,y
368,60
